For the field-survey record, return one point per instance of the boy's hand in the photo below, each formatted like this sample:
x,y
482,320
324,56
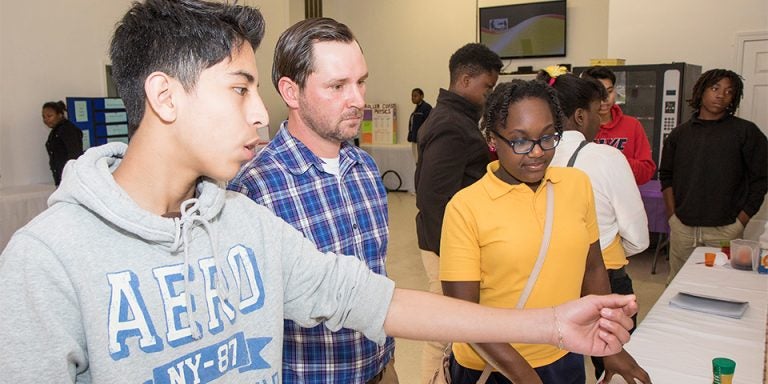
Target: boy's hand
x,y
595,325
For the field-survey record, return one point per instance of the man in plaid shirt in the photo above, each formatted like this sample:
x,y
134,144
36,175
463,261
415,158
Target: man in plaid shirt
x,y
328,189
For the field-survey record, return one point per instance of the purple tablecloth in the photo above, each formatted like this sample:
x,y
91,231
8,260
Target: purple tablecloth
x,y
653,201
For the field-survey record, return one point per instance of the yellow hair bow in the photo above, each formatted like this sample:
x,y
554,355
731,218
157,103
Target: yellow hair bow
x,y
554,71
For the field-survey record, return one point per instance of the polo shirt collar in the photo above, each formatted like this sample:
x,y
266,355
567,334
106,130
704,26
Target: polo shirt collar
x,y
496,187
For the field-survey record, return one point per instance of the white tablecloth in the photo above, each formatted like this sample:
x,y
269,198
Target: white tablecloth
x,y
677,346
20,204
396,157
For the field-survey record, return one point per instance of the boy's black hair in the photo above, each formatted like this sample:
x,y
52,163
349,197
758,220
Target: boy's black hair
x,y
574,92
506,94
712,77
600,73
180,38
294,56
419,91
473,59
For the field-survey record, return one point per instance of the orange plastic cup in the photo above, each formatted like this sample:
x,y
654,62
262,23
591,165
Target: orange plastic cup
x,y
709,259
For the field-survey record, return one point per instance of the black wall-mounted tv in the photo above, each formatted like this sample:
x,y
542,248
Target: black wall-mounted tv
x,y
525,30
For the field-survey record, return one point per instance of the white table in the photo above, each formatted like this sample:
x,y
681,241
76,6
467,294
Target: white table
x,y
20,204
395,157
677,346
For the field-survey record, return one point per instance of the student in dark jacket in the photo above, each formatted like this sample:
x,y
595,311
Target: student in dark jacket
x,y
714,169
65,142
452,155
418,116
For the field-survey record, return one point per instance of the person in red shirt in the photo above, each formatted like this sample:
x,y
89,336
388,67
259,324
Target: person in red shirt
x,y
622,131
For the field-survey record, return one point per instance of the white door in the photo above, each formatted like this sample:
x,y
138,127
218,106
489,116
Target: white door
x,y
754,69
753,66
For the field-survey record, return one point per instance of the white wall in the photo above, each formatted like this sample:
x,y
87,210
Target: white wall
x,y
277,14
52,49
407,44
692,31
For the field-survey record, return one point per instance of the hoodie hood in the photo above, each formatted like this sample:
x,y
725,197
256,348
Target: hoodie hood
x,y
616,115
89,182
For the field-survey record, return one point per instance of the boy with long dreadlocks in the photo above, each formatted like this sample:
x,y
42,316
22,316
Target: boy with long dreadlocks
x,y
713,169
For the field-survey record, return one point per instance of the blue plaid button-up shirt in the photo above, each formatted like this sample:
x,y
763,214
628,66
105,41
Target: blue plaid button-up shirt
x,y
346,216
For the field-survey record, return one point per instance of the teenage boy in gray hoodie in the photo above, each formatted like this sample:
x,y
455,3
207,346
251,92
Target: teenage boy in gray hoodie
x,y
144,269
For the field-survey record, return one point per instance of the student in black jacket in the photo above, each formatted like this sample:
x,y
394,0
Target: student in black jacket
x,y
714,169
65,142
452,155
418,116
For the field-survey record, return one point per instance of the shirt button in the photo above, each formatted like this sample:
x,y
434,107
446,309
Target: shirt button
x,y
354,226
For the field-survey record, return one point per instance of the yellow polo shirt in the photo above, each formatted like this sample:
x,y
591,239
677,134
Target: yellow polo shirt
x,y
492,232
614,256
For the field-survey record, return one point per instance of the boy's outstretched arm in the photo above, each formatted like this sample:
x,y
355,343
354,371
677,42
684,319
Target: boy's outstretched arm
x,y
591,325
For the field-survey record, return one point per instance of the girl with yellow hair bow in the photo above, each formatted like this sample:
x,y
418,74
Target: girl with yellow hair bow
x,y
554,71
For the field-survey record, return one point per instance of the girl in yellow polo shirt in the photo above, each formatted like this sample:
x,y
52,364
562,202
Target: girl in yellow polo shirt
x,y
493,229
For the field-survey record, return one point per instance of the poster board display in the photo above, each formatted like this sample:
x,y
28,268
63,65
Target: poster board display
x,y
379,124
102,119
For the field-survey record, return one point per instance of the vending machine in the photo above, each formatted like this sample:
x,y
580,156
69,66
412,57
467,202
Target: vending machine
x,y
655,94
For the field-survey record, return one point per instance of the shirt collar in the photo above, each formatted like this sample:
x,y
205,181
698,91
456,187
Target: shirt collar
x,y
298,159
697,120
571,136
459,103
497,188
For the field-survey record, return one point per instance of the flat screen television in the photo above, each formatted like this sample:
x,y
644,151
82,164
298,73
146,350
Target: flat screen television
x,y
524,30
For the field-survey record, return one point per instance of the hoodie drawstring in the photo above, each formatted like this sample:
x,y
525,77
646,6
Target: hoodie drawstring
x,y
189,217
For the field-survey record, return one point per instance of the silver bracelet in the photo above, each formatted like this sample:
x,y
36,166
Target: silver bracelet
x,y
560,341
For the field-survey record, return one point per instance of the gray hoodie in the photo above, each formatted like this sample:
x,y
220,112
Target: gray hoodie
x,y
97,290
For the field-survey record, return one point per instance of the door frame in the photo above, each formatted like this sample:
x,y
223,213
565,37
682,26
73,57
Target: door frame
x,y
757,226
741,39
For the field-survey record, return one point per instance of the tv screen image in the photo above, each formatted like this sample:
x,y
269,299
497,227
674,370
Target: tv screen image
x,y
525,30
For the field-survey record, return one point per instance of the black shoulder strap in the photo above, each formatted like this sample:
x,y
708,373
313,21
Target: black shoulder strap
x,y
576,153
